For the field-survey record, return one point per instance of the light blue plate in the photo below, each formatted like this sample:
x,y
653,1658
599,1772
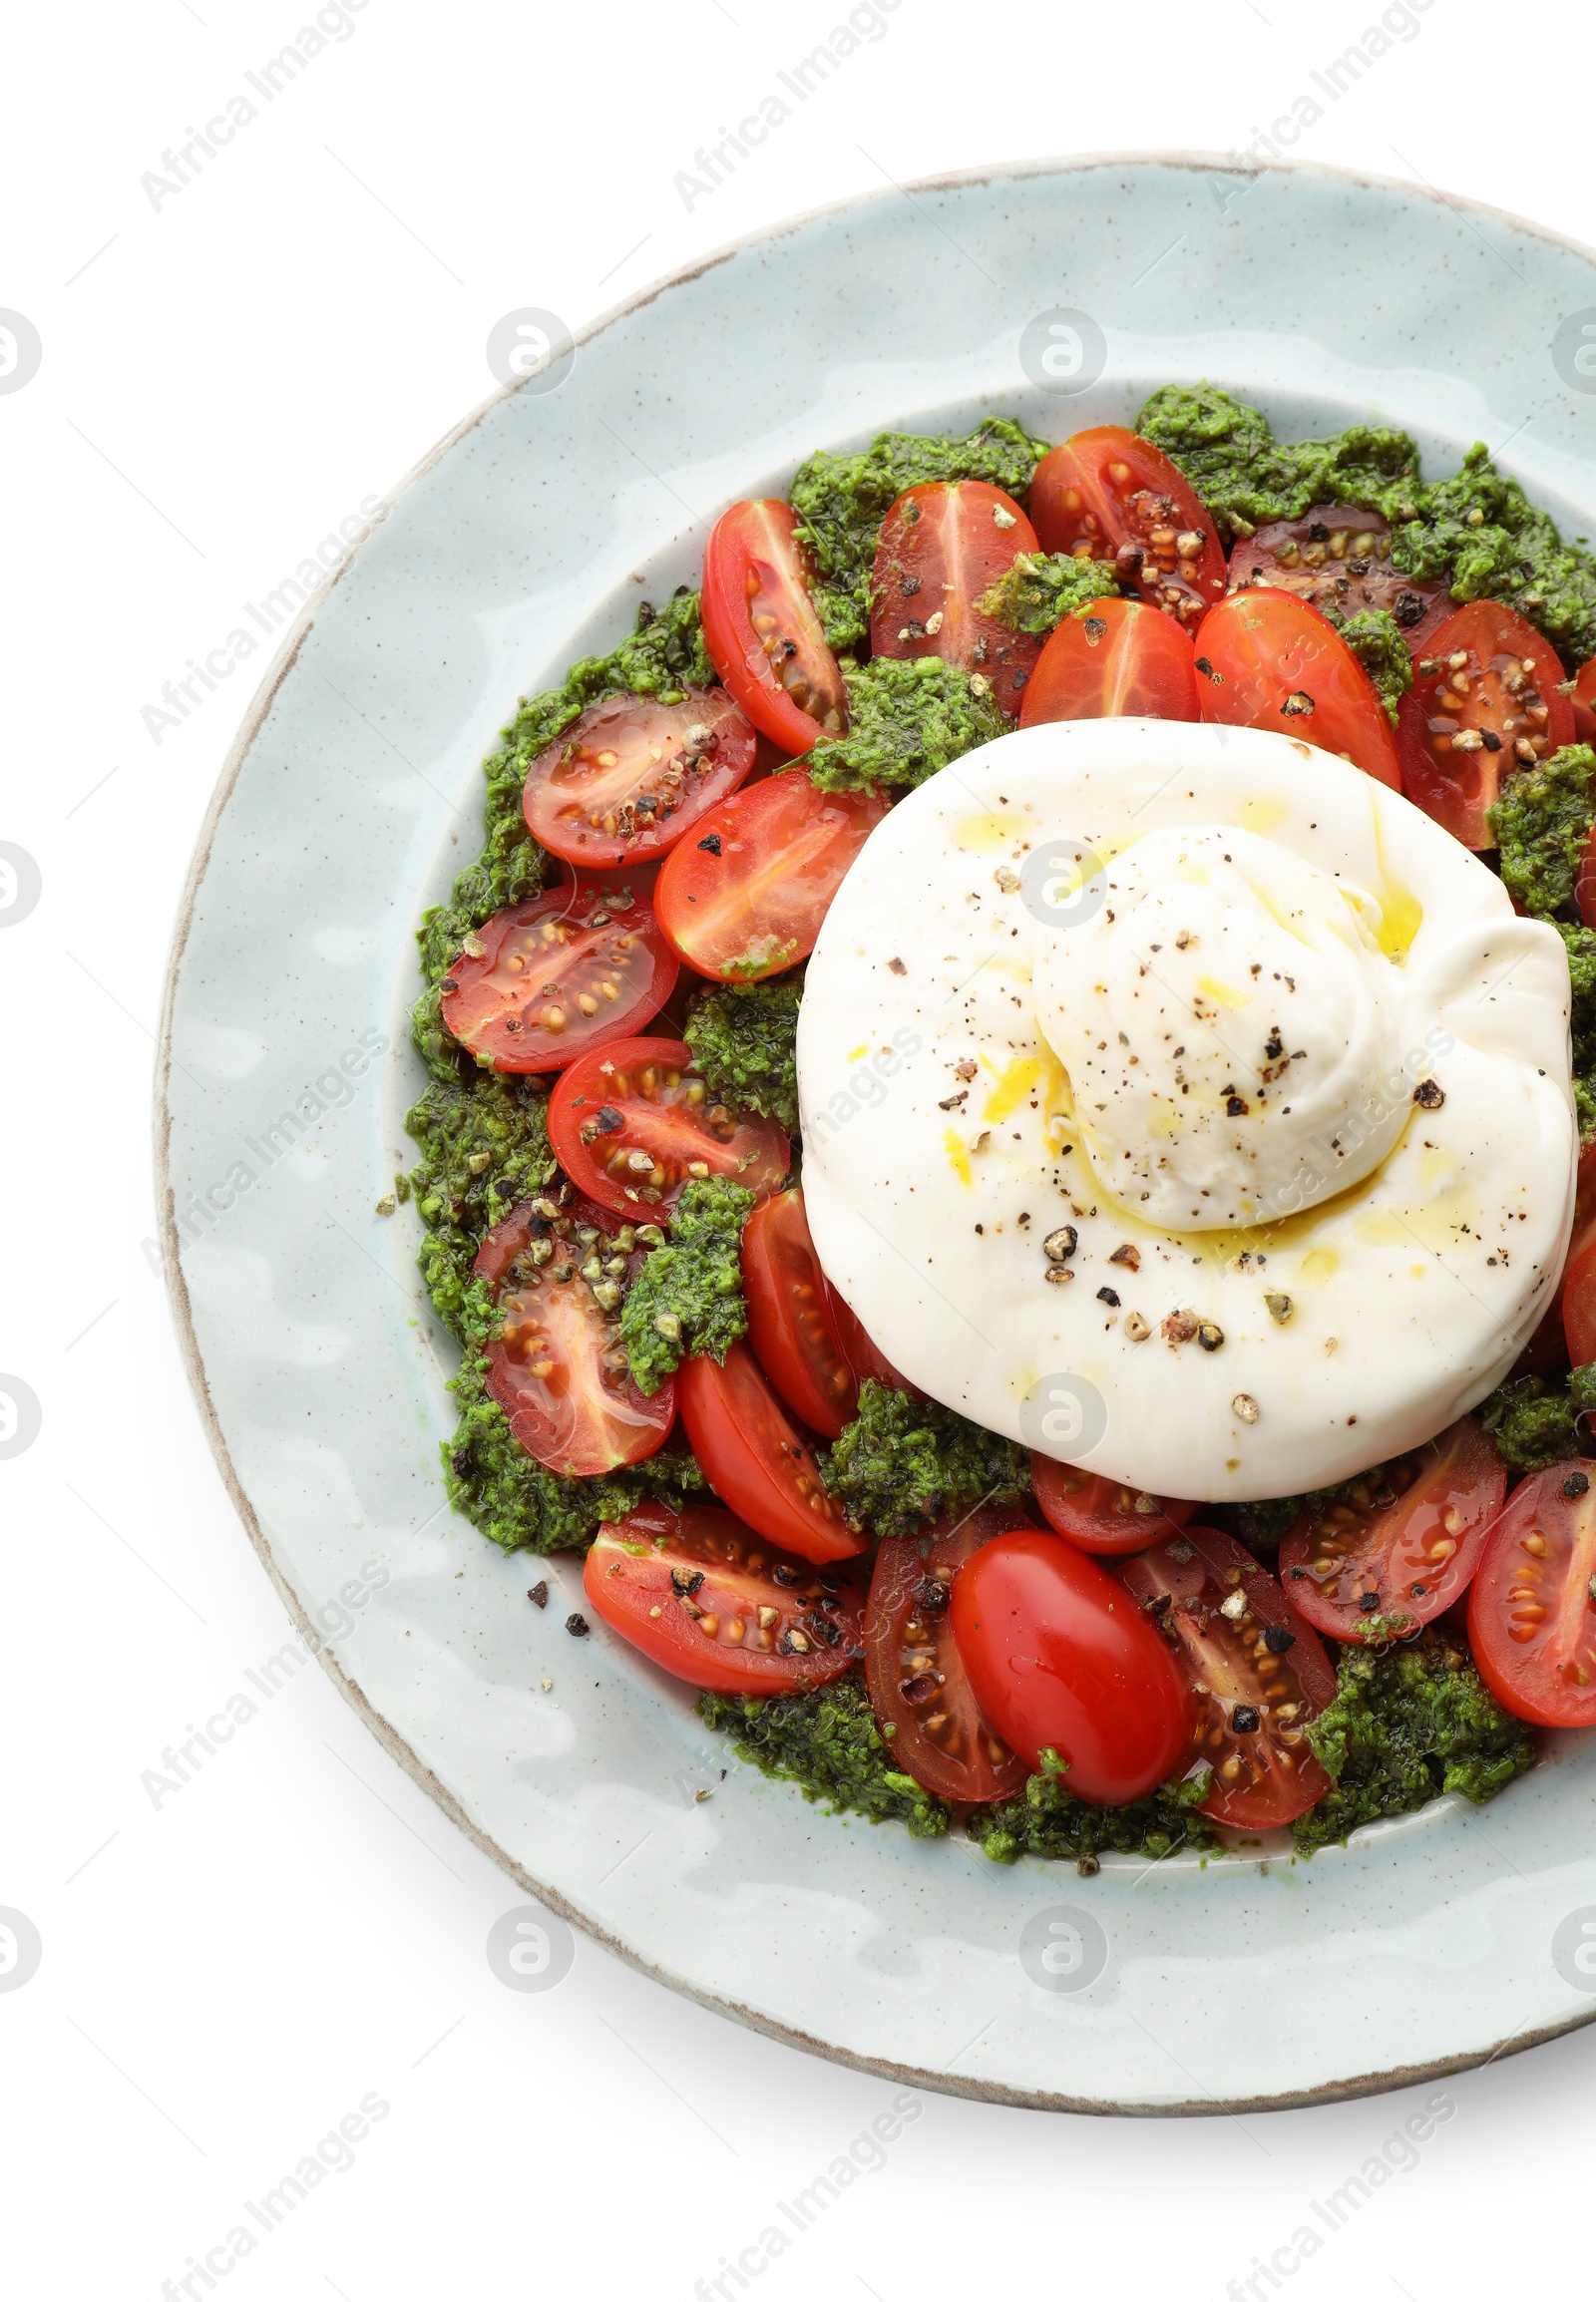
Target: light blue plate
x,y
352,796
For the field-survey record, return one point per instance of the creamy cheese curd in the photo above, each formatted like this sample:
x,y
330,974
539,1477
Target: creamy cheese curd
x,y
1190,1079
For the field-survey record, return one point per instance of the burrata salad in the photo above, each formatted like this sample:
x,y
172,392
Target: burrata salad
x,y
1010,1133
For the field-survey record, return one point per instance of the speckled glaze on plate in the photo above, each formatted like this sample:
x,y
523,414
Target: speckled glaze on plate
x,y
351,799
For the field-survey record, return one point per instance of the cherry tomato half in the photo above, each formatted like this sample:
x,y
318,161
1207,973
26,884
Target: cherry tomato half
x,y
918,1683
1123,661
639,1100
1257,1673
760,626
1404,1544
745,899
1061,1657
941,548
1579,1307
1533,1609
860,1350
555,1366
1484,700
758,1459
628,777
1582,703
1096,1514
1107,494
543,982
790,1322
1268,659
709,1601
1339,561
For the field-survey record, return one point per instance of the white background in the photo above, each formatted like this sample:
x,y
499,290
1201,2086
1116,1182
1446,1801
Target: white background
x,y
223,1977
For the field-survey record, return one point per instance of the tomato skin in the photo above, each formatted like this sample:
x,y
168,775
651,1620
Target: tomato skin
x,y
755,566
858,1350
918,1683
1122,662
577,1420
751,905
1450,1500
1457,787
1301,556
1267,1776
1105,494
758,1459
628,1581
1579,1307
1260,651
1100,1515
1060,1657
941,546
653,1087
568,796
1531,1613
791,1322
568,939
1582,703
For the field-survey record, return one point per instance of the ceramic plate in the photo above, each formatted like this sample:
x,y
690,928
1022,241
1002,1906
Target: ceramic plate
x,y
1061,295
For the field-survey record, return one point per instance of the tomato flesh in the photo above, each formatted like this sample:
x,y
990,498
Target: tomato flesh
x,y
632,775
711,1602
761,630
746,899
1060,1657
1258,1675
941,546
1123,661
543,981
790,1322
1268,659
917,1684
1582,703
1100,1515
1107,494
1339,561
554,1365
1404,1545
631,1124
861,1353
1579,1308
1532,1605
1484,700
758,1459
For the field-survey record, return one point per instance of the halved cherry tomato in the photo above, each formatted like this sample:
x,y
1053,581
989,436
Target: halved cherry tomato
x,y
1585,884
711,1602
791,1322
1257,1673
1484,700
1097,1514
1580,1244
1532,1607
1268,659
644,1098
1579,1308
555,1366
1061,1657
1121,661
941,548
1339,562
918,1683
551,978
628,777
1107,494
758,1459
1404,1543
745,899
760,626
859,1352
1582,703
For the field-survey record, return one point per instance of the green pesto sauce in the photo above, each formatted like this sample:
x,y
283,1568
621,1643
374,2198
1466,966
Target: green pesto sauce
x,y
1039,590
744,1038
828,1742
1375,638
688,1295
1404,1726
841,502
1534,1418
903,1459
1044,1819
906,721
1543,822
1477,530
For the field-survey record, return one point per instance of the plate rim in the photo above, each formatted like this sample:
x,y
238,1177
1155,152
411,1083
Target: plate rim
x,y
1233,165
